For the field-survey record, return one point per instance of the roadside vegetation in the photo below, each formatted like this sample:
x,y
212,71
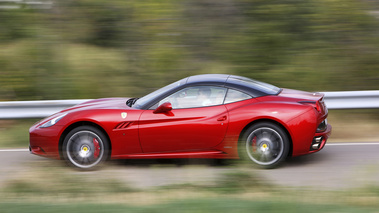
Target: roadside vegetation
x,y
15,133
51,188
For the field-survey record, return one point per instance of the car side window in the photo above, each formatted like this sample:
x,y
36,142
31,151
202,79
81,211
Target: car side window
x,y
234,96
196,96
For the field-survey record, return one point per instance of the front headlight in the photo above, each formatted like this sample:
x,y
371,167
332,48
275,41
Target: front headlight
x,y
52,122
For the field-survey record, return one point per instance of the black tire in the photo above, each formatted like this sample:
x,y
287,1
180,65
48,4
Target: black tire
x,y
85,148
266,144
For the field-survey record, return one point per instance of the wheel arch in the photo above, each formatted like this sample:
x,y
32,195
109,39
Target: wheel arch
x,y
82,123
267,121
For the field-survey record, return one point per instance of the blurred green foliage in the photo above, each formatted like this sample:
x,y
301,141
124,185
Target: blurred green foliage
x,y
14,133
99,48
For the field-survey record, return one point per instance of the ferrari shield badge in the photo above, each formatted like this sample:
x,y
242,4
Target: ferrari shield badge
x,y
124,114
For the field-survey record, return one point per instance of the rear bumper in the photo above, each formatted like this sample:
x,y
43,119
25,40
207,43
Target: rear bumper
x,y
320,139
308,147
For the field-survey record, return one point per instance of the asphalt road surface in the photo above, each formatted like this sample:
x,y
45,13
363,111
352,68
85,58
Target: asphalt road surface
x,y
337,166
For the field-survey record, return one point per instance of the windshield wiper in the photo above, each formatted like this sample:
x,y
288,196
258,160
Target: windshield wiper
x,y
131,101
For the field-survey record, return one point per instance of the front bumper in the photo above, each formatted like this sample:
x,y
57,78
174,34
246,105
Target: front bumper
x,y
45,141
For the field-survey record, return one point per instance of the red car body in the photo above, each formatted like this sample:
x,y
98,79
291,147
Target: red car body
x,y
214,131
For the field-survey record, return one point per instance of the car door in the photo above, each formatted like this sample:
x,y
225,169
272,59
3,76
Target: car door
x,y
198,121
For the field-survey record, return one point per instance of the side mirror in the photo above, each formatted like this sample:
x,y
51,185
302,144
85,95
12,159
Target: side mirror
x,y
163,108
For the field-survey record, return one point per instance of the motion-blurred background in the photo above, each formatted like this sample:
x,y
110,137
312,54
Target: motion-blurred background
x,y
84,49
99,48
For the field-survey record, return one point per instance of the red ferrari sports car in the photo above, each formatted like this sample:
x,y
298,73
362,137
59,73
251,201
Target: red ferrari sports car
x,y
203,116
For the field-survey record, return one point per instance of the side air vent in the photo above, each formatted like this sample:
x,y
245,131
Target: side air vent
x,y
123,125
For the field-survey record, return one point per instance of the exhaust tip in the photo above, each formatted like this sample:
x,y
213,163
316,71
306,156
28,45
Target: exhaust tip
x,y
316,143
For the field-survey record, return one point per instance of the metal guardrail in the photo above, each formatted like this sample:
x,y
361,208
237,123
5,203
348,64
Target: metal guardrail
x,y
20,4
34,109
40,109
352,99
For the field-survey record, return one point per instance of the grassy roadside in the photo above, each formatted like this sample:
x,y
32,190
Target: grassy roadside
x,y
359,125
15,133
49,188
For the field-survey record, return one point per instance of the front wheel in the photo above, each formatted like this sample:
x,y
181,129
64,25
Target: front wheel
x,y
85,147
266,144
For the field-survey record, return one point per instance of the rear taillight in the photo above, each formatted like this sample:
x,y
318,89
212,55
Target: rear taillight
x,y
314,104
318,106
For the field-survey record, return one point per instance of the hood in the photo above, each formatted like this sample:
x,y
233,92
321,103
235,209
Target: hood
x,y
290,93
103,103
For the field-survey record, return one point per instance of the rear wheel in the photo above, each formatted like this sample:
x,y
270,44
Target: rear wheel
x,y
266,144
85,147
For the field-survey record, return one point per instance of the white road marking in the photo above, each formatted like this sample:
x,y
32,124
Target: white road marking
x,y
352,144
14,150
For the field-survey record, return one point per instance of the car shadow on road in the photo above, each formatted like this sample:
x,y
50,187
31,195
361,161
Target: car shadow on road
x,y
299,161
174,162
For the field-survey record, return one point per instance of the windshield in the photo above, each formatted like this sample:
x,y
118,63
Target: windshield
x,y
147,98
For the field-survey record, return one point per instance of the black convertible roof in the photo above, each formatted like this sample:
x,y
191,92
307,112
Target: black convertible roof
x,y
207,78
247,85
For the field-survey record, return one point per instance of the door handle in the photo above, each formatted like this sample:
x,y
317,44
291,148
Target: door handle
x,y
223,118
